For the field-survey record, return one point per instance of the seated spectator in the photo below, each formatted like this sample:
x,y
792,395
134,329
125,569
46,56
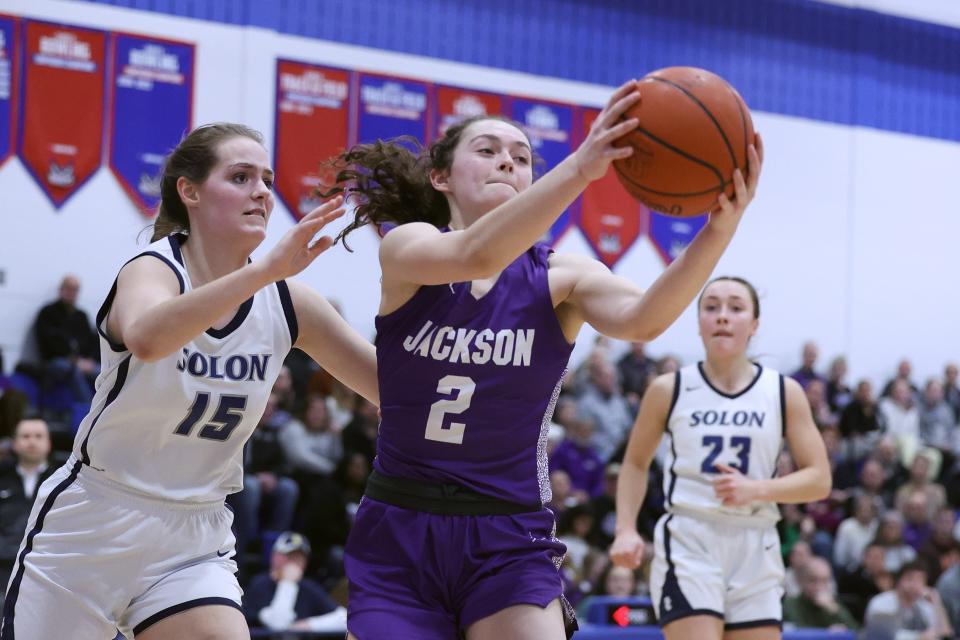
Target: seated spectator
x,y
854,534
916,520
904,371
839,394
350,477
890,536
823,415
360,434
900,418
948,586
573,528
799,555
859,424
869,579
311,445
18,488
68,345
268,500
562,494
951,389
912,607
805,373
937,419
922,470
603,404
872,485
817,606
280,597
941,549
577,457
634,370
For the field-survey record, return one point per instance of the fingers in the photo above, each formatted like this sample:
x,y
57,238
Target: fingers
x,y
755,163
741,194
612,113
724,468
618,130
623,90
324,208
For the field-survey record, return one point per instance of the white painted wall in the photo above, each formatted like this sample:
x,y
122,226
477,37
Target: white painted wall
x,y
850,240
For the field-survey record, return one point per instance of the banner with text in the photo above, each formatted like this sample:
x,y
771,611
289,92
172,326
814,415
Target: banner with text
x,y
9,29
452,104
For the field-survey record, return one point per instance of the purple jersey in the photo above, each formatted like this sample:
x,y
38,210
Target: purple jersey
x,y
467,386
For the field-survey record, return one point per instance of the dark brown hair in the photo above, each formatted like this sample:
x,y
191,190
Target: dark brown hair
x,y
193,159
389,180
750,288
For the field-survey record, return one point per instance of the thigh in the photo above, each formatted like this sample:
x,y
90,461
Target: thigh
x,y
521,622
699,627
769,632
755,580
685,579
209,622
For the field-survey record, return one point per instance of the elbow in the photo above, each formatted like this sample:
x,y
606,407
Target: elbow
x,y
824,484
143,348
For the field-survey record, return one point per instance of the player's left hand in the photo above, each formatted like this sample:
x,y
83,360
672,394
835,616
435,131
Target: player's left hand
x,y
726,215
733,488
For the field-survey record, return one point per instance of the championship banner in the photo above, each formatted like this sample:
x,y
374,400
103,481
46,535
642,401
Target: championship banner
x,y
453,105
152,104
391,107
610,218
670,236
61,134
550,129
8,82
312,126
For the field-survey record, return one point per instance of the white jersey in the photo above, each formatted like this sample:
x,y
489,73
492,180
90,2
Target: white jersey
x,y
706,426
175,428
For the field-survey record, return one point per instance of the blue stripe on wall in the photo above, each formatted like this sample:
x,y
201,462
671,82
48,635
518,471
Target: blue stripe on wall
x,y
794,57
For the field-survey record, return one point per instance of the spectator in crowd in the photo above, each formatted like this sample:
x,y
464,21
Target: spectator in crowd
x,y
67,343
904,371
311,445
911,606
635,369
18,487
895,474
951,389
360,434
854,534
916,517
603,403
269,498
573,529
817,606
563,496
869,579
351,479
938,422
799,555
941,549
890,536
839,394
901,417
872,485
922,469
948,586
579,459
614,581
806,372
859,423
816,391
278,598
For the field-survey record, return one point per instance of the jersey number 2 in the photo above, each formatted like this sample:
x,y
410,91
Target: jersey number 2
x,y
452,434
742,443
225,419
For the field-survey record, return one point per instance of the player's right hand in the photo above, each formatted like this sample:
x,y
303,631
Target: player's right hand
x,y
596,152
297,249
627,550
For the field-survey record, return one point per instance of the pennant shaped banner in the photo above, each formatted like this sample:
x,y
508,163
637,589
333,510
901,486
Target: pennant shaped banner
x,y
61,134
391,107
9,30
152,103
312,125
453,105
670,236
550,129
610,218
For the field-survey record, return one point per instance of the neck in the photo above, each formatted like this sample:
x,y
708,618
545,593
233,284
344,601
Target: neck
x,y
29,466
207,263
730,373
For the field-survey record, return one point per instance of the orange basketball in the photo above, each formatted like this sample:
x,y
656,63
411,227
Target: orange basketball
x,y
694,132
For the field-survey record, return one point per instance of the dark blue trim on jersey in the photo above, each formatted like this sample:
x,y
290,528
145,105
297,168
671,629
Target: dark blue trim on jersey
x,y
732,396
114,392
783,407
235,323
11,601
288,311
176,239
183,606
679,605
752,624
119,347
851,66
673,438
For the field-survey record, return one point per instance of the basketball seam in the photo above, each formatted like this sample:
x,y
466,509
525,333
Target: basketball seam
x,y
684,154
743,125
695,99
679,194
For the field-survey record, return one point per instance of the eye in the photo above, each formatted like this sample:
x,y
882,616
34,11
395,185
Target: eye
x,y
239,178
522,160
486,151
269,183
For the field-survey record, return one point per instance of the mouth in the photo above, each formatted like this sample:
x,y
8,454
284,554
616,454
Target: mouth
x,y
722,334
504,183
256,212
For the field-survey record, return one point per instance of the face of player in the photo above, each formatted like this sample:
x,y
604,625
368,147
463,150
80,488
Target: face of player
x,y
726,318
237,196
491,164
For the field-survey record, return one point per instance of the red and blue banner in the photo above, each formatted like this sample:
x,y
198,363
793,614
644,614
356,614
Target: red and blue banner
x,y
9,30
152,106
550,129
670,235
391,107
610,218
453,104
312,126
61,134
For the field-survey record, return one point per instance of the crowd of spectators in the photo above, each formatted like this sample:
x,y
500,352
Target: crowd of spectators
x,y
881,552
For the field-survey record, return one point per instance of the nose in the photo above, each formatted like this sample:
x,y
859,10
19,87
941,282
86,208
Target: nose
x,y
506,164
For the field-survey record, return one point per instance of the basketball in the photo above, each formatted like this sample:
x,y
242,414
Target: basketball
x,y
694,132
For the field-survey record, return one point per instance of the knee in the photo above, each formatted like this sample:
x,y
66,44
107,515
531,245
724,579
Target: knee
x,y
288,488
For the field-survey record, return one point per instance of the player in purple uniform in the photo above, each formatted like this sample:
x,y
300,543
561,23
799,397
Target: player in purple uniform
x,y
475,326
